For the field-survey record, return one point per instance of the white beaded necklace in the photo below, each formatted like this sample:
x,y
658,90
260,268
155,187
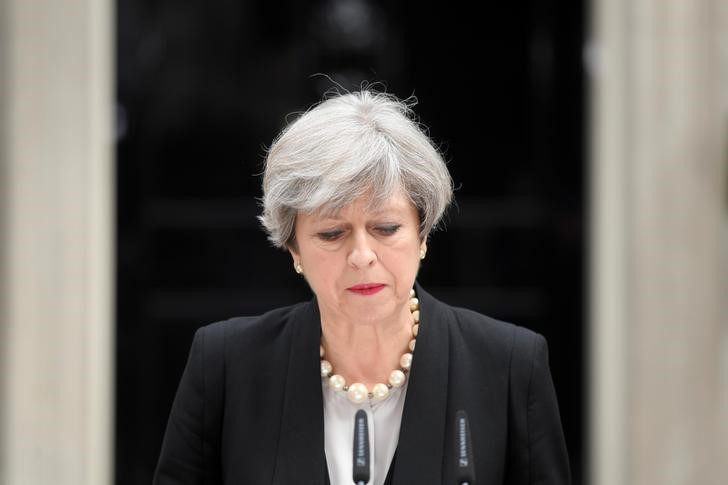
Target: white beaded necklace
x,y
358,392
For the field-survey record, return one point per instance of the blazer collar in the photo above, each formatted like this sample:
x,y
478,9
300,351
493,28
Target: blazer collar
x,y
301,457
422,433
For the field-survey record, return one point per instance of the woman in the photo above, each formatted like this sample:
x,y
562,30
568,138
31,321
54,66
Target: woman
x,y
352,190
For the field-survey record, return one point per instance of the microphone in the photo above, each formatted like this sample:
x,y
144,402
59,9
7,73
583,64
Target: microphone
x,y
464,468
361,448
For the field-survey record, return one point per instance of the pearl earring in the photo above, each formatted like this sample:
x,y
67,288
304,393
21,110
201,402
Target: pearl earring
x,y
422,253
298,268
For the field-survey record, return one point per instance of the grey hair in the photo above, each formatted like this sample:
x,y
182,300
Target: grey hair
x,y
355,144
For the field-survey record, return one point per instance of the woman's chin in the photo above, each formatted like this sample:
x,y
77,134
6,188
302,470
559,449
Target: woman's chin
x,y
372,313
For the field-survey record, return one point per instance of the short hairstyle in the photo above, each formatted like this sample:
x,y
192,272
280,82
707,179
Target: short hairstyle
x,y
359,143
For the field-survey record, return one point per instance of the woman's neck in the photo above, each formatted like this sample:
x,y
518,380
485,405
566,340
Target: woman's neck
x,y
366,353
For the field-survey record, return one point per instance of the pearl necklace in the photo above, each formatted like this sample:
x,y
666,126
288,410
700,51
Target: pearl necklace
x,y
358,392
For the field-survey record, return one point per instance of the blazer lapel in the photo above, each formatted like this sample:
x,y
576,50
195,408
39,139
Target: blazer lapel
x,y
301,441
422,433
419,455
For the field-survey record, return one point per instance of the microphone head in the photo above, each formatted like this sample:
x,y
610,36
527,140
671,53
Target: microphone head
x,y
464,467
361,447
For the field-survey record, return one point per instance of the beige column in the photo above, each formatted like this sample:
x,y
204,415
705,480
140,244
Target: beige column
x,y
659,233
56,225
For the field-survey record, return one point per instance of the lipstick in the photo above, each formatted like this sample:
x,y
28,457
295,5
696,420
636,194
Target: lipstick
x,y
366,288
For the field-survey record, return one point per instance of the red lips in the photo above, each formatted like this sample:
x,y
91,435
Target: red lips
x,y
366,288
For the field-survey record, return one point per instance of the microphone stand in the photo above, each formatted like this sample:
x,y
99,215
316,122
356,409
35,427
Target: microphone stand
x,y
361,448
464,467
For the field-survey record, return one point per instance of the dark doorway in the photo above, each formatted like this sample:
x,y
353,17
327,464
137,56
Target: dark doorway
x,y
202,89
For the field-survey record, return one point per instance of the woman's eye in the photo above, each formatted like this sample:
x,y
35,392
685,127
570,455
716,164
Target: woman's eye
x,y
329,235
388,229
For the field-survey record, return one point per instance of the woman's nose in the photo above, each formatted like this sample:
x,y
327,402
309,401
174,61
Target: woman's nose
x,y
361,253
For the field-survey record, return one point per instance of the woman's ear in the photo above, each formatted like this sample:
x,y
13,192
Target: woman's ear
x,y
293,250
292,245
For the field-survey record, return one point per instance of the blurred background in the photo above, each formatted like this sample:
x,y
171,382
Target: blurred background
x,y
588,152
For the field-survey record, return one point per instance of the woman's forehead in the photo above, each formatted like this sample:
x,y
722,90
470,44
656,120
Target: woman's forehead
x,y
397,203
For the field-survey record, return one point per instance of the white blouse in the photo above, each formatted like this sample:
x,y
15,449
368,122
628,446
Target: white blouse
x,y
384,419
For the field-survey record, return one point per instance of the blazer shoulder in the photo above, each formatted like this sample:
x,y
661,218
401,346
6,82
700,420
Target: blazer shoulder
x,y
474,323
516,345
254,328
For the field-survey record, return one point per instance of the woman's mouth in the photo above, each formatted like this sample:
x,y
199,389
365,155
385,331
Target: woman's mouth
x,y
366,288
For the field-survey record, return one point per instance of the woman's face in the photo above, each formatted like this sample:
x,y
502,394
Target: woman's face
x,y
361,264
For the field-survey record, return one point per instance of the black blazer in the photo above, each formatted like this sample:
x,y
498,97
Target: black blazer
x,y
249,409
